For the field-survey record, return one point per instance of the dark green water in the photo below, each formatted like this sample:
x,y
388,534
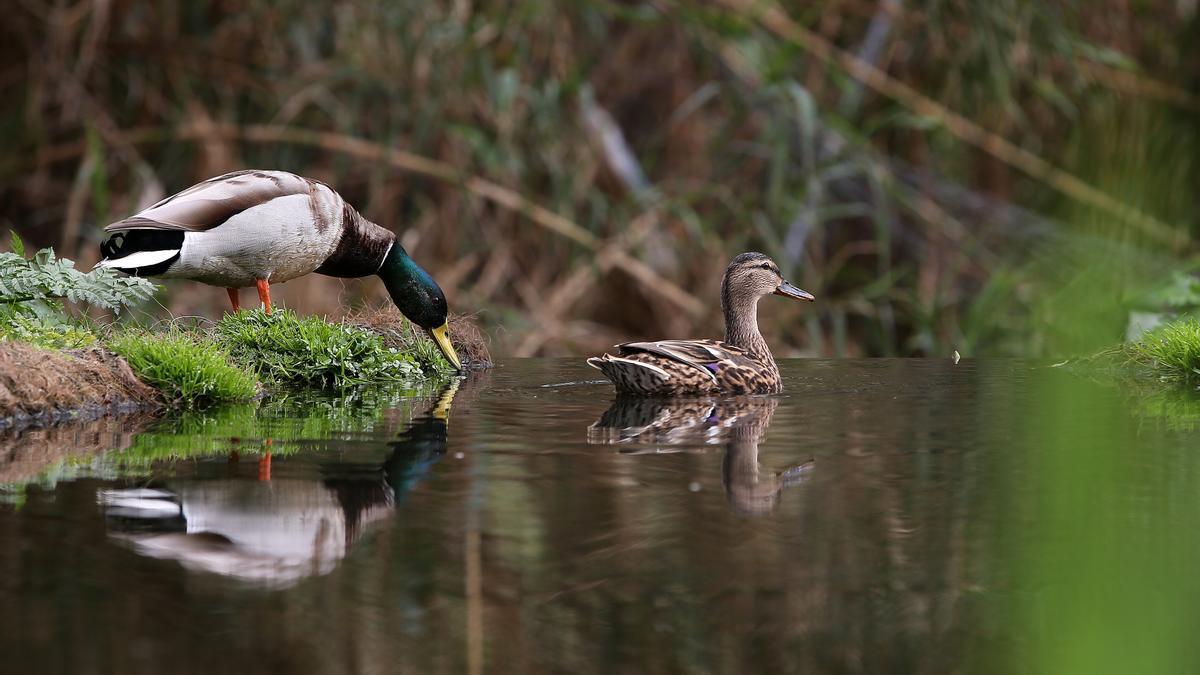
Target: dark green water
x,y
881,516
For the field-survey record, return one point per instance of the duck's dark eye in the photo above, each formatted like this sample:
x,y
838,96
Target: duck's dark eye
x,y
765,266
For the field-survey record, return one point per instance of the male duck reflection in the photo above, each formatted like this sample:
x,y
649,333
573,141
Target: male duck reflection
x,y
278,532
738,423
742,364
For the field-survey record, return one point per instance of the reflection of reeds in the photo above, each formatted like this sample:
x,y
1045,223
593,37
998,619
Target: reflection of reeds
x,y
583,170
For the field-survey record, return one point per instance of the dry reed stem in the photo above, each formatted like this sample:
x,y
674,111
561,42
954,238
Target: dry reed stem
x,y
1138,84
777,21
566,294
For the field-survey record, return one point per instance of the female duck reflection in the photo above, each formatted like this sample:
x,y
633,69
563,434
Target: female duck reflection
x,y
739,423
278,532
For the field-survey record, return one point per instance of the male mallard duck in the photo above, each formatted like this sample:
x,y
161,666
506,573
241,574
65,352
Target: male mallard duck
x,y
742,364
251,228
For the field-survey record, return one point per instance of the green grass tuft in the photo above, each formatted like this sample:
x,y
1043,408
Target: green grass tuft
x,y
186,368
1172,351
286,348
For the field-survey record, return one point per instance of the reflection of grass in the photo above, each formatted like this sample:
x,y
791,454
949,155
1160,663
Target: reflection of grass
x,y
188,368
1178,409
287,422
1100,546
308,420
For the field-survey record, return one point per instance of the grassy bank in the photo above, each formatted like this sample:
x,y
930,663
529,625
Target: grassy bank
x,y
42,368
244,353
286,348
46,351
234,360
183,367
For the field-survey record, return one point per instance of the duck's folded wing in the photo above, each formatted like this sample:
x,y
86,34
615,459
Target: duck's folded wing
x,y
709,356
208,204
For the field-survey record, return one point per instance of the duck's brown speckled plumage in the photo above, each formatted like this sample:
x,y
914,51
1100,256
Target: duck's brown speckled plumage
x,y
674,367
741,364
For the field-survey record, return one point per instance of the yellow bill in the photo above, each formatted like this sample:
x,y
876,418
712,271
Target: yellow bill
x,y
442,338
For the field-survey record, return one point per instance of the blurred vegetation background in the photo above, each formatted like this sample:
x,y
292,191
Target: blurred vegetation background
x,y
997,177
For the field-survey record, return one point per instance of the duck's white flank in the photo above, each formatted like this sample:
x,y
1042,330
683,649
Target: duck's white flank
x,y
277,240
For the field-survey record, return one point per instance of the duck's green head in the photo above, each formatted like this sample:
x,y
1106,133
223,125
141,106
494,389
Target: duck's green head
x,y
419,297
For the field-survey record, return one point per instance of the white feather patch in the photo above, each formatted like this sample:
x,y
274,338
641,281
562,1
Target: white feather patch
x,y
139,259
652,368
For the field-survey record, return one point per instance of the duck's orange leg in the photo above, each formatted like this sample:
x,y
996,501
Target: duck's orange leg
x,y
264,463
264,293
233,298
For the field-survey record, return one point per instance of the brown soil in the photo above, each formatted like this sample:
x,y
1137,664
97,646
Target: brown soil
x,y
39,386
399,332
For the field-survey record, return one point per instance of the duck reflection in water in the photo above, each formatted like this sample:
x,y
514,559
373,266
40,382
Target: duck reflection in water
x,y
276,532
648,425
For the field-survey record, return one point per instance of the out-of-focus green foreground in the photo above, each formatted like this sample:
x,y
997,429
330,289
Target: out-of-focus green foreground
x,y
1099,553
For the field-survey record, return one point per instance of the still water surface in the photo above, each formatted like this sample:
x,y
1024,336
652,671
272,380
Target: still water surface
x,y
880,516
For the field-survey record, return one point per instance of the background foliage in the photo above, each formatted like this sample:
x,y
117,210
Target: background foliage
x,y
1000,177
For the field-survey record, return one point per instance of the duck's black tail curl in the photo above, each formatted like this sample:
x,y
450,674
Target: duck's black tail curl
x,y
143,253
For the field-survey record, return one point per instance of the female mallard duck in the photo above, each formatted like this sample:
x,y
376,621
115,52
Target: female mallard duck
x,y
742,364
251,228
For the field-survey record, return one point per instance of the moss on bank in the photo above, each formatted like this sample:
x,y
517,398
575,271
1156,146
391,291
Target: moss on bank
x,y
44,368
1171,351
228,362
20,328
187,368
1158,374
288,349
